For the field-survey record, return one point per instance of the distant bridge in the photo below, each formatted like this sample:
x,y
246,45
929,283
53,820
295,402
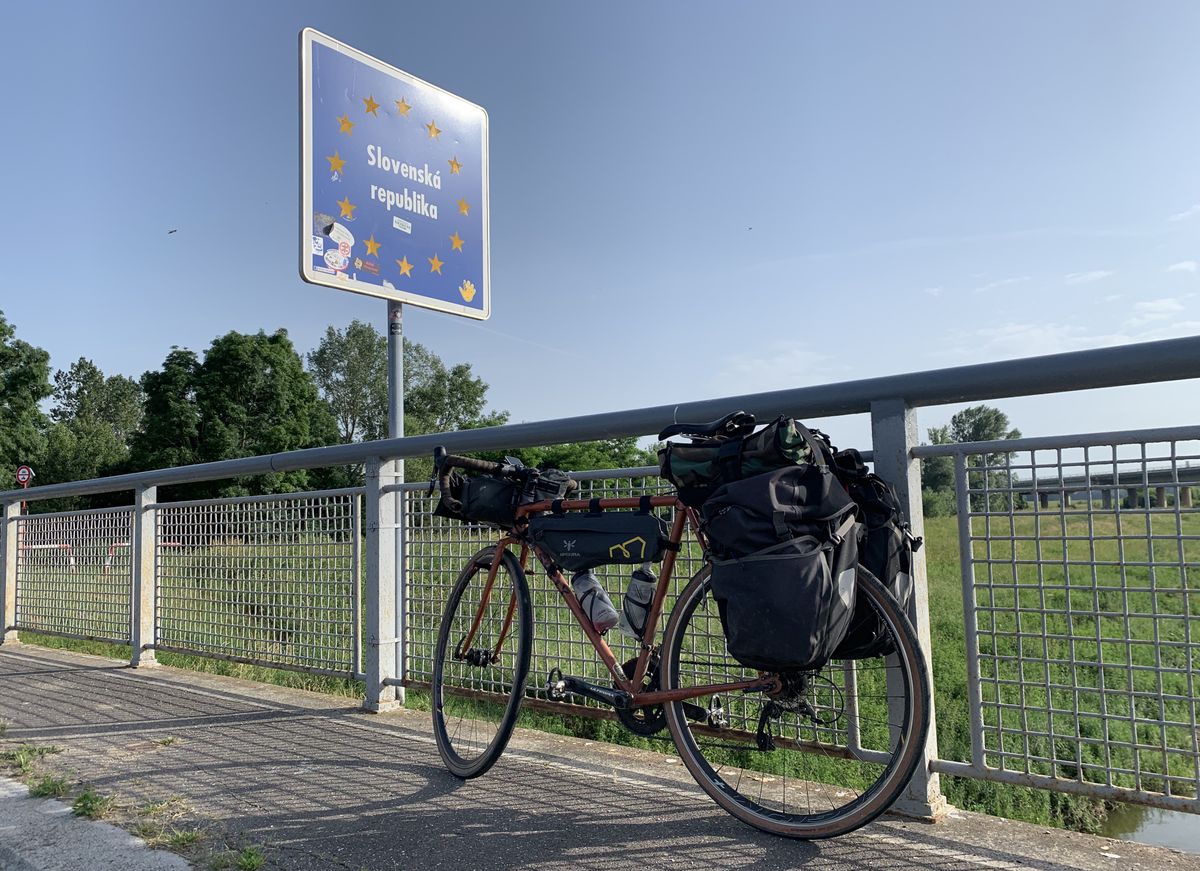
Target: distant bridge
x,y
1136,484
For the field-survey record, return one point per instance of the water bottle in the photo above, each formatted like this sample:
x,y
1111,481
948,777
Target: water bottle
x,y
594,601
635,607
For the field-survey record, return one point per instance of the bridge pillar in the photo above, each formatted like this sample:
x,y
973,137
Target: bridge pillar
x,y
894,435
1160,497
1106,499
8,581
1044,500
1185,497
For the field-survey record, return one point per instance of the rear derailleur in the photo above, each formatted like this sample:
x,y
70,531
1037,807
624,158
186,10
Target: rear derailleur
x,y
794,696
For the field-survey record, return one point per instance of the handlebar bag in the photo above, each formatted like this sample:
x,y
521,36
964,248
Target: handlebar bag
x,y
578,541
493,500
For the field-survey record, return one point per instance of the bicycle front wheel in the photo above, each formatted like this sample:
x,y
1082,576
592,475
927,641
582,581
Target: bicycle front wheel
x,y
825,756
481,663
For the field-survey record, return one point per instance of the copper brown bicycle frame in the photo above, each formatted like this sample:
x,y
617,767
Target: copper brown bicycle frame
x,y
683,514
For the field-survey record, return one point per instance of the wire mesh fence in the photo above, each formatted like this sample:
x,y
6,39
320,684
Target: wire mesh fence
x,y
74,574
1083,615
271,580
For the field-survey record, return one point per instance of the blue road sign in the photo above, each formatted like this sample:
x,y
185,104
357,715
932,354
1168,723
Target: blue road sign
x,y
395,183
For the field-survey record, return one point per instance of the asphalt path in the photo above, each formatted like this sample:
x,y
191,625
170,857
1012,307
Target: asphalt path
x,y
320,785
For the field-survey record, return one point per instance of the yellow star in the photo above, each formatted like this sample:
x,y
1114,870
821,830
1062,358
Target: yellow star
x,y
435,265
336,163
434,132
347,124
371,105
402,107
464,207
405,266
456,241
372,246
347,207
455,166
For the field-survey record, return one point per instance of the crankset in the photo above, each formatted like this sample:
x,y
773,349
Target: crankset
x,y
649,719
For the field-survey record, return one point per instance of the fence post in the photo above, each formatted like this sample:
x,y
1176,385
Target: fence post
x,y
382,693
894,435
142,546
8,581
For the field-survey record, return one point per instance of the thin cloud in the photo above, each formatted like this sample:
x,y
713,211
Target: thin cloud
x,y
1186,214
777,366
1155,310
1087,277
933,291
1184,266
1004,282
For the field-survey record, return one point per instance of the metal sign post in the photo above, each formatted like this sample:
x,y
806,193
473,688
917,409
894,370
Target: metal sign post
x,y
24,476
396,430
394,204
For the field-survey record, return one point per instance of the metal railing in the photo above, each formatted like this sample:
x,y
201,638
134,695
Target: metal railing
x,y
1079,559
1080,668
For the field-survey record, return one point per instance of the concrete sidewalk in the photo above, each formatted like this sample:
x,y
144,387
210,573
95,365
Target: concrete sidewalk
x,y
320,785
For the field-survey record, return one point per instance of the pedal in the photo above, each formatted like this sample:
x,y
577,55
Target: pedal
x,y
717,717
556,686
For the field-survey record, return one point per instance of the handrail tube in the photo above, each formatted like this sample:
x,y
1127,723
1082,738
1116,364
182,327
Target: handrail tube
x,y
1143,363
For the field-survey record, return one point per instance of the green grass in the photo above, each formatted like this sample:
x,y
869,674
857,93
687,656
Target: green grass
x,y
91,804
49,787
23,757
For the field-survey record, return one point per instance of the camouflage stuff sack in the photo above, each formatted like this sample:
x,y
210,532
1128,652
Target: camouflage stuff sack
x,y
698,468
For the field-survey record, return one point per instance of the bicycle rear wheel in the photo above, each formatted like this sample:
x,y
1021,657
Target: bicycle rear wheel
x,y
478,687
822,758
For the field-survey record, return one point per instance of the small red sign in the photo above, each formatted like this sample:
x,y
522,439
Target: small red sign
x,y
24,475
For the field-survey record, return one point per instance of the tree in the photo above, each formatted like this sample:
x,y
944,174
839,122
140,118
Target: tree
x,y
350,368
979,423
250,396
24,382
170,431
94,418
82,393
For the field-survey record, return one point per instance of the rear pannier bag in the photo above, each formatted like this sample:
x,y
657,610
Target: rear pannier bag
x,y
493,500
785,547
745,516
697,469
886,551
579,541
787,606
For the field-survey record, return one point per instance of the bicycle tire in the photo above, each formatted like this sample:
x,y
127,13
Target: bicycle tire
x,y
752,783
475,704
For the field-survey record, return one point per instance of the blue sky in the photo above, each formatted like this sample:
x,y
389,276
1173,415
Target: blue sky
x,y
706,184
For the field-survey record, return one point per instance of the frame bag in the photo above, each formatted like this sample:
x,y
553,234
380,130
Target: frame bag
x,y
578,541
785,550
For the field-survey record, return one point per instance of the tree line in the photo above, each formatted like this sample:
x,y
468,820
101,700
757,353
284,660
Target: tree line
x,y
246,395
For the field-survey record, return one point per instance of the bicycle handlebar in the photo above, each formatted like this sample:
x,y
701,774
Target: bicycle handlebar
x,y
443,463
